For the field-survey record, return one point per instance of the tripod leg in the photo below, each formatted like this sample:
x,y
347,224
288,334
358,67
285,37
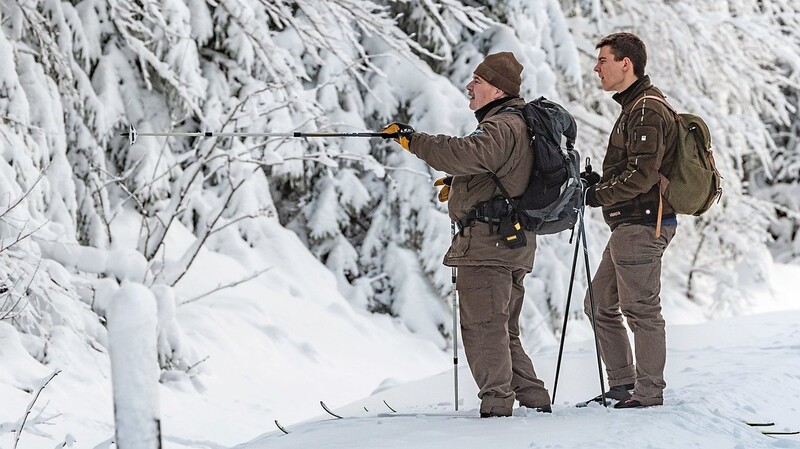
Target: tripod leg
x,y
593,307
566,314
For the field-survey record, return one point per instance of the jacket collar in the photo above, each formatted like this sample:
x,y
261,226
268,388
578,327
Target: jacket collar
x,y
633,91
491,108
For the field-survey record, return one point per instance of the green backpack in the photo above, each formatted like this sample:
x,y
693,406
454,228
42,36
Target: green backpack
x,y
693,182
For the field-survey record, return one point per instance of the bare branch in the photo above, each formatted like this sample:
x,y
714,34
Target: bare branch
x,y
195,249
30,406
28,192
193,365
225,286
8,314
21,237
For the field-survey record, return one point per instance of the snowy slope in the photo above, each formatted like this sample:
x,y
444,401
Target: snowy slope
x,y
719,374
259,348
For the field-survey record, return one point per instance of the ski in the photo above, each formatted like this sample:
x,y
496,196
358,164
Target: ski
x,y
770,431
281,427
390,407
609,402
329,411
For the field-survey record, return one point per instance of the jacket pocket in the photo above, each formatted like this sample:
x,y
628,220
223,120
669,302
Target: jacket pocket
x,y
644,140
636,261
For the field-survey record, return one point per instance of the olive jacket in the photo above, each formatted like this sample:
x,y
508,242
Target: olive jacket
x,y
641,146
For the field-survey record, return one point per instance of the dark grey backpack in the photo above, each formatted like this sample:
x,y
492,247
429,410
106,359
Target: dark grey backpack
x,y
552,200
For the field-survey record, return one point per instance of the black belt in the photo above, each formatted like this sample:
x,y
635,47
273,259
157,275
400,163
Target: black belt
x,y
491,212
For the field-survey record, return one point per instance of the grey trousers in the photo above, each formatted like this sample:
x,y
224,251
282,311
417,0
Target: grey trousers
x,y
628,283
491,302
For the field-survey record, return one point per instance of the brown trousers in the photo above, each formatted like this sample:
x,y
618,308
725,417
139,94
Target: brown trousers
x,y
491,302
628,283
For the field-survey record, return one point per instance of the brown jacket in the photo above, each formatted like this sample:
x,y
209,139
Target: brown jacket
x,y
499,145
641,143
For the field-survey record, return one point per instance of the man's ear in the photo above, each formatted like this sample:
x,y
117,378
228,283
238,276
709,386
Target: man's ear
x,y
498,93
627,64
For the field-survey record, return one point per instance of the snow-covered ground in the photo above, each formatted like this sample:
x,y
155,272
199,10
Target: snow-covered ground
x,y
261,348
719,374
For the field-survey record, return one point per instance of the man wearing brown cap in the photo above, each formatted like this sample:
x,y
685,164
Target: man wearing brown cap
x,y
490,273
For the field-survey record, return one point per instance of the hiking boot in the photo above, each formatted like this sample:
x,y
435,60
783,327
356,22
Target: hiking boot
x,y
496,412
618,393
493,415
546,408
630,403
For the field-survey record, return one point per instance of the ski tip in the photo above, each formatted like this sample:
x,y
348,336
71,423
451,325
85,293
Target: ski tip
x,y
325,407
390,407
286,432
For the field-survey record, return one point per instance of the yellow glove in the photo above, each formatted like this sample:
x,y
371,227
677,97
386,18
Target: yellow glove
x,y
400,132
445,182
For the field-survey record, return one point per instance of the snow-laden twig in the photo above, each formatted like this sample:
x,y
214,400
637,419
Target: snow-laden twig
x,y
8,314
225,286
197,363
30,406
16,202
20,237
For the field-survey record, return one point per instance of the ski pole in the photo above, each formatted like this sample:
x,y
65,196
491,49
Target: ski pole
x,y
592,306
132,134
453,275
566,313
594,320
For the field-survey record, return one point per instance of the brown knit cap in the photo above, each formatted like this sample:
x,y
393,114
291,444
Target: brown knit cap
x,y
501,70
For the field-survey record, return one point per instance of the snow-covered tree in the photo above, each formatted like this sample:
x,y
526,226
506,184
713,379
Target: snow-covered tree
x,y
76,74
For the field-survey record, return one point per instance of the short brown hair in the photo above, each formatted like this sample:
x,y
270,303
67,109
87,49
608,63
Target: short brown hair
x,y
627,45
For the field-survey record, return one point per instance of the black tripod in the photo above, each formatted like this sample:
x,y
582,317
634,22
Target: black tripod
x,y
581,241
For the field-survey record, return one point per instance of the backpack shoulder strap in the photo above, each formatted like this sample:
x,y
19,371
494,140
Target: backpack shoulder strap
x,y
513,110
659,99
661,178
